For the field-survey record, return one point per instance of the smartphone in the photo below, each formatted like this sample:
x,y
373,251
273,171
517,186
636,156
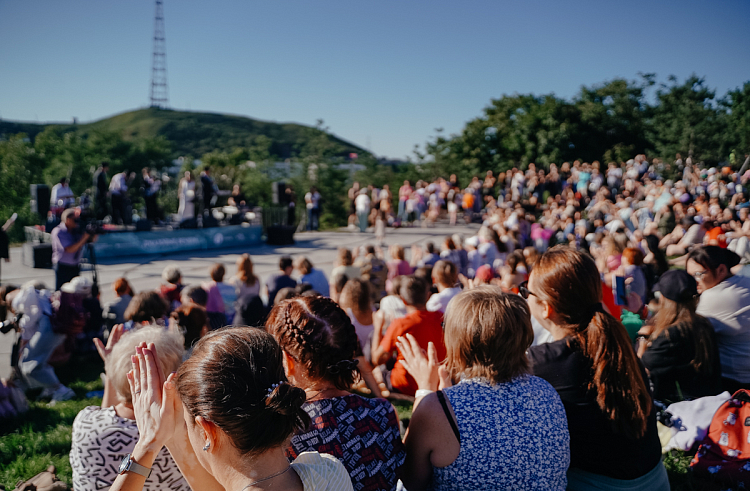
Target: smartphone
x,y
621,296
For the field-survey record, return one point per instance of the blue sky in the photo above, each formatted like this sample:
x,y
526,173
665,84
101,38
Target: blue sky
x,y
380,73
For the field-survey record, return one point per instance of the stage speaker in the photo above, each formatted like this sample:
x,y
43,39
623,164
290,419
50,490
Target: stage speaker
x,y
37,255
143,226
280,235
40,196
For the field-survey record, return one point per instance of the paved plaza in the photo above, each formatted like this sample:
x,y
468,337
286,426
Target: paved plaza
x,y
144,272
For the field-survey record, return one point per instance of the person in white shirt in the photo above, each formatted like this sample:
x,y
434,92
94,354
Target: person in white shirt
x,y
62,195
362,206
312,202
725,301
445,277
118,188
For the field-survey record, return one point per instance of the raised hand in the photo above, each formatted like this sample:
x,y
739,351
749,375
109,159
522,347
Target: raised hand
x,y
114,337
424,367
155,401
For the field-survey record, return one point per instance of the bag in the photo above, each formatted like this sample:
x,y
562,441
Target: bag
x,y
44,481
12,400
724,454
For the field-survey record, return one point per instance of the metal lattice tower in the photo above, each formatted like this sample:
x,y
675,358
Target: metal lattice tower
x,y
159,96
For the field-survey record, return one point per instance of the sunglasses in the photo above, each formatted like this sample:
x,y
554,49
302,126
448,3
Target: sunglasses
x,y
524,291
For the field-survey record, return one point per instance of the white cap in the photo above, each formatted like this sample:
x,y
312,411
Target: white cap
x,y
78,285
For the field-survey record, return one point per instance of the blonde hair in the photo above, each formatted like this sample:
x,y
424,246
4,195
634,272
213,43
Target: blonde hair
x,y
169,344
487,333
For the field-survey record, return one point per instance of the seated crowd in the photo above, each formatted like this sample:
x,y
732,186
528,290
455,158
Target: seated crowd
x,y
536,353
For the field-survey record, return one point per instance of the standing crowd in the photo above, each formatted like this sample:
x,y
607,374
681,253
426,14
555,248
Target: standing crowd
x,y
537,353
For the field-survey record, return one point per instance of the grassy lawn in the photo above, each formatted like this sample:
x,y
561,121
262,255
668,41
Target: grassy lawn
x,y
30,443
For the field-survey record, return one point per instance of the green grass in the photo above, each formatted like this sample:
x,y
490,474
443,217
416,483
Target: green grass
x,y
42,436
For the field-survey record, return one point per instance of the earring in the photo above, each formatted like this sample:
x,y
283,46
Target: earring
x,y
206,446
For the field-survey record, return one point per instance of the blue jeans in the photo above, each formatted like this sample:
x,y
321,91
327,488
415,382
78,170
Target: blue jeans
x,y
313,216
33,367
362,216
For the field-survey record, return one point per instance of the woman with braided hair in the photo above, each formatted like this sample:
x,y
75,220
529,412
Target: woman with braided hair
x,y
319,345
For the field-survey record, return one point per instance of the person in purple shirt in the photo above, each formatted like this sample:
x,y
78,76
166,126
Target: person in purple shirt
x,y
67,248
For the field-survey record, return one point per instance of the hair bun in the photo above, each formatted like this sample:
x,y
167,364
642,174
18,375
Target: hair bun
x,y
286,400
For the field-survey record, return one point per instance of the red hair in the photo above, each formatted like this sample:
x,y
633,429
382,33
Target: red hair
x,y
569,282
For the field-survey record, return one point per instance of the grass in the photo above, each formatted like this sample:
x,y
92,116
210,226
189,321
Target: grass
x,y
42,436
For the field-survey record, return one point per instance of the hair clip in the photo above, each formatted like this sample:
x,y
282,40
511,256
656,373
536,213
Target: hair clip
x,y
273,387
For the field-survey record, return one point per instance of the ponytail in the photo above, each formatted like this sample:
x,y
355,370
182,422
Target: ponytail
x,y
621,392
568,280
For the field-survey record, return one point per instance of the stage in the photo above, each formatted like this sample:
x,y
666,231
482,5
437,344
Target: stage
x,y
128,242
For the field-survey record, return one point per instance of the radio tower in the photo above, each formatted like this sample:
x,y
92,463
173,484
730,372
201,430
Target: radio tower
x,y
159,66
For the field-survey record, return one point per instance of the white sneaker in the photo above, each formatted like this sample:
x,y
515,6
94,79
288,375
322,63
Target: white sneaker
x,y
62,394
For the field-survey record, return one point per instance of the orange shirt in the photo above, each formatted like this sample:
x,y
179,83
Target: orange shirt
x,y
425,326
716,237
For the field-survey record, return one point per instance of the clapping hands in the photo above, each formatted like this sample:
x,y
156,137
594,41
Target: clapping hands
x,y
424,367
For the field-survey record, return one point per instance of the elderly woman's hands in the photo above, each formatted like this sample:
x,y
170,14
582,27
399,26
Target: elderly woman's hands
x,y
155,402
425,368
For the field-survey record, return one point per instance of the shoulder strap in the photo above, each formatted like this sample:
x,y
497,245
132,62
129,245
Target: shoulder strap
x,y
441,398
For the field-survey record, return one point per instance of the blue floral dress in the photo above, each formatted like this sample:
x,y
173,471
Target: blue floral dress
x,y
513,435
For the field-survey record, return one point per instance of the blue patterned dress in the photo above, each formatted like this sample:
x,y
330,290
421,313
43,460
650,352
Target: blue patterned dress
x,y
362,433
513,436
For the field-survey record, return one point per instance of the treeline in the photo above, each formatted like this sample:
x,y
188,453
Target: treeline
x,y
612,121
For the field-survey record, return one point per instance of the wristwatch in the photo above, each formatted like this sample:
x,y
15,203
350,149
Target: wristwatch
x,y
130,465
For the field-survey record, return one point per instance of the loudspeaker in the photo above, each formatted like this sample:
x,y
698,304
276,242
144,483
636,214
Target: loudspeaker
x,y
40,196
280,235
143,225
37,255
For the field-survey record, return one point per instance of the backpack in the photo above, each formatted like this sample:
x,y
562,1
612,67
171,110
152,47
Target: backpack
x,y
724,454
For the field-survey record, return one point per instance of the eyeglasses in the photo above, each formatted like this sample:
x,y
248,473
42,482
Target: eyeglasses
x,y
698,275
524,291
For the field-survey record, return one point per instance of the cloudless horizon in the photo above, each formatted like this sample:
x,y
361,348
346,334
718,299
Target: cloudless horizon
x,y
383,75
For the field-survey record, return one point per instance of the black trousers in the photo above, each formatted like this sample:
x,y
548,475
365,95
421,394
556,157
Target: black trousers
x,y
64,273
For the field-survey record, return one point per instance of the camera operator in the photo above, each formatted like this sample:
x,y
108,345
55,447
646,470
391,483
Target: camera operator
x,y
67,248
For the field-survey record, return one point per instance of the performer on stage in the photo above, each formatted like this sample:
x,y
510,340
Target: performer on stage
x,y
186,194
100,184
209,190
62,196
118,189
151,189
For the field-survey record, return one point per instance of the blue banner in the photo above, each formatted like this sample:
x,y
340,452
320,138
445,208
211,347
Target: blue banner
x,y
158,242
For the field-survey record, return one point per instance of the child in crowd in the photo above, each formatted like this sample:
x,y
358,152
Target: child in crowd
x,y
424,325
215,305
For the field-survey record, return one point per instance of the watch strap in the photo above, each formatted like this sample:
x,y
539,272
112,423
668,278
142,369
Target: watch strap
x,y
133,466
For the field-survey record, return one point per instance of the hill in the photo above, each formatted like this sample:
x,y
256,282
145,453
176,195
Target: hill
x,y
194,133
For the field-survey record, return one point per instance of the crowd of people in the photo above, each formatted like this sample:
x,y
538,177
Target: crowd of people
x,y
537,353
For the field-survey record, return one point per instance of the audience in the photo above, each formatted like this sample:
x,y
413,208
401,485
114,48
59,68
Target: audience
x,y
172,286
235,414
725,302
114,311
280,279
485,432
445,278
319,344
679,350
314,277
102,436
423,325
592,365
146,308
215,304
245,282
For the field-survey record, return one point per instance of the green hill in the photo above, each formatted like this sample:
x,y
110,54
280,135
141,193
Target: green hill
x,y
194,133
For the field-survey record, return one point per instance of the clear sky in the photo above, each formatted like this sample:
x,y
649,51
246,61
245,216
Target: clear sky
x,y
382,74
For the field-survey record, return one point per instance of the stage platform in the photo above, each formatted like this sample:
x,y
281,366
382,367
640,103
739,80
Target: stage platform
x,y
128,242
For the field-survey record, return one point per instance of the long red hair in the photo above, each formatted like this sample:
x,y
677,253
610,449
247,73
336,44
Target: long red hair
x,y
569,282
